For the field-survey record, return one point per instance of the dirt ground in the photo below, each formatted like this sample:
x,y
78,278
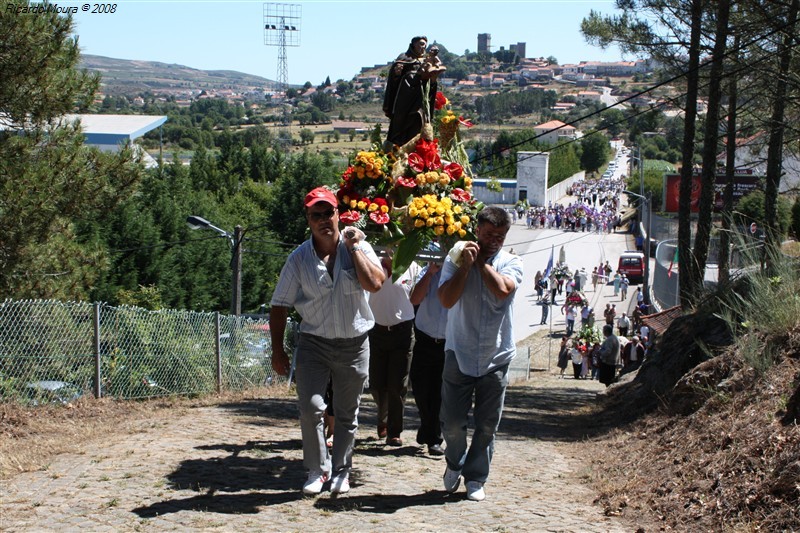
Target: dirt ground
x,y
234,463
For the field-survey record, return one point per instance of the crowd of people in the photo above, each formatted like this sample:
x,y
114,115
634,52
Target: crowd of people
x,y
595,208
622,353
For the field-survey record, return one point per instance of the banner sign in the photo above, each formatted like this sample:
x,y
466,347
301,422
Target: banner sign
x,y
743,184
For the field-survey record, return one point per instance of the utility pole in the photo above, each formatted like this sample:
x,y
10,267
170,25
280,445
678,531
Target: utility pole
x,y
236,271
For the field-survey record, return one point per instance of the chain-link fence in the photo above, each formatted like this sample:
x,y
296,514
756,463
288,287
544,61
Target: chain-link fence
x,y
55,352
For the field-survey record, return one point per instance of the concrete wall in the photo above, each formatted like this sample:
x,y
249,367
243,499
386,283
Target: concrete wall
x,y
532,171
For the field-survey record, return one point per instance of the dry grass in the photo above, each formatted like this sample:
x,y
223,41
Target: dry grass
x,y
732,464
31,436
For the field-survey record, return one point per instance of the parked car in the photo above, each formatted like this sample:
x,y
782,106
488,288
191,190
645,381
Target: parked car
x,y
631,263
47,391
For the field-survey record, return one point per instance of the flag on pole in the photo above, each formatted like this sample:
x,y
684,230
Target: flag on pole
x,y
549,264
673,263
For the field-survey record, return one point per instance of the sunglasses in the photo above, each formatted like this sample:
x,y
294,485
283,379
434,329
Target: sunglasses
x,y
321,215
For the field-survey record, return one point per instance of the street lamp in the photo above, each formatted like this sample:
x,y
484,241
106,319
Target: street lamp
x,y
235,240
647,200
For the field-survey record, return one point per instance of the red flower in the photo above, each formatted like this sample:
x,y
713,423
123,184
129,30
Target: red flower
x,y
429,151
454,170
378,217
350,217
434,161
406,182
465,122
348,173
441,101
460,195
379,202
416,162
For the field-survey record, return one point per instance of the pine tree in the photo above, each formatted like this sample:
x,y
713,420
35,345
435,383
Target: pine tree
x,y
49,180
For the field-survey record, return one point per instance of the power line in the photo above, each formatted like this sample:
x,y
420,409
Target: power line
x,y
163,244
643,92
669,100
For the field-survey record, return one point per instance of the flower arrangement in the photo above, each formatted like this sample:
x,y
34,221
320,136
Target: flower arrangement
x,y
407,200
590,335
447,125
561,271
363,190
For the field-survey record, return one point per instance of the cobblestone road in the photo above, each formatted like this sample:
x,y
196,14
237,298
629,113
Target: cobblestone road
x,y
237,467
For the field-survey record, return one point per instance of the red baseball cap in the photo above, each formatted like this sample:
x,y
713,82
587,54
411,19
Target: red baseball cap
x,y
320,194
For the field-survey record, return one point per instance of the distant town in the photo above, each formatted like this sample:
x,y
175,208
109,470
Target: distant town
x,y
506,68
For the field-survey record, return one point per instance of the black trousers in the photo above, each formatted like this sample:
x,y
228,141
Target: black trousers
x,y
389,362
426,381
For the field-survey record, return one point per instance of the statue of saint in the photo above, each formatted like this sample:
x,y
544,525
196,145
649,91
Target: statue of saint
x,y
411,91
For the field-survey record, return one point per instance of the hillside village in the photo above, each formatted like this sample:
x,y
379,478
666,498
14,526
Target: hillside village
x,y
586,81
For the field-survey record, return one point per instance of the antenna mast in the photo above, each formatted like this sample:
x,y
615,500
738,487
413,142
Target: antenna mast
x,y
282,29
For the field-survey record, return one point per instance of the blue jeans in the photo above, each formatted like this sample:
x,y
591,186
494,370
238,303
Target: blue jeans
x,y
457,398
319,360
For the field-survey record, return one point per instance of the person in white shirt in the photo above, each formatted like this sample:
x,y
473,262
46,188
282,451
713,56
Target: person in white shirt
x,y
390,343
623,323
327,279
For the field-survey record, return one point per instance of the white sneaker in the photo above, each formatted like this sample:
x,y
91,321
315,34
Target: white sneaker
x,y
452,479
475,491
340,484
316,479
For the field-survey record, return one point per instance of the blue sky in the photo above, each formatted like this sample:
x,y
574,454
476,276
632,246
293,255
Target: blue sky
x,y
337,38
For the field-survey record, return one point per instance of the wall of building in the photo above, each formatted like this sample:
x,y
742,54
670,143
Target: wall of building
x,y
532,171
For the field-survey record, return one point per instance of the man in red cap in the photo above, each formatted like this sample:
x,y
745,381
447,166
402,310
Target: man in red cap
x,y
327,279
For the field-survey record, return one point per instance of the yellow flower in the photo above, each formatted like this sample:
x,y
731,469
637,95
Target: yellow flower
x,y
372,207
456,209
362,204
464,219
438,230
384,209
429,222
462,232
419,223
412,211
451,229
353,203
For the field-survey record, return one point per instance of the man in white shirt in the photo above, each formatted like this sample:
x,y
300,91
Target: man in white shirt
x,y
327,279
390,343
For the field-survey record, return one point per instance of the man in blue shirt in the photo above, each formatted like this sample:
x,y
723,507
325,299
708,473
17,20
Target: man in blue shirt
x,y
327,279
478,289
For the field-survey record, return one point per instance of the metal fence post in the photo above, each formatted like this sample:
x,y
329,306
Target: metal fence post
x,y
528,376
96,319
218,353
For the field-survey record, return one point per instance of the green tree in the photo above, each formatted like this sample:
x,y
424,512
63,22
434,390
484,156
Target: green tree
x,y
49,180
306,136
751,208
286,211
375,135
595,151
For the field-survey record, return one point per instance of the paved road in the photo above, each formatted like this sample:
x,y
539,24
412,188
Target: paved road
x,y
238,467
